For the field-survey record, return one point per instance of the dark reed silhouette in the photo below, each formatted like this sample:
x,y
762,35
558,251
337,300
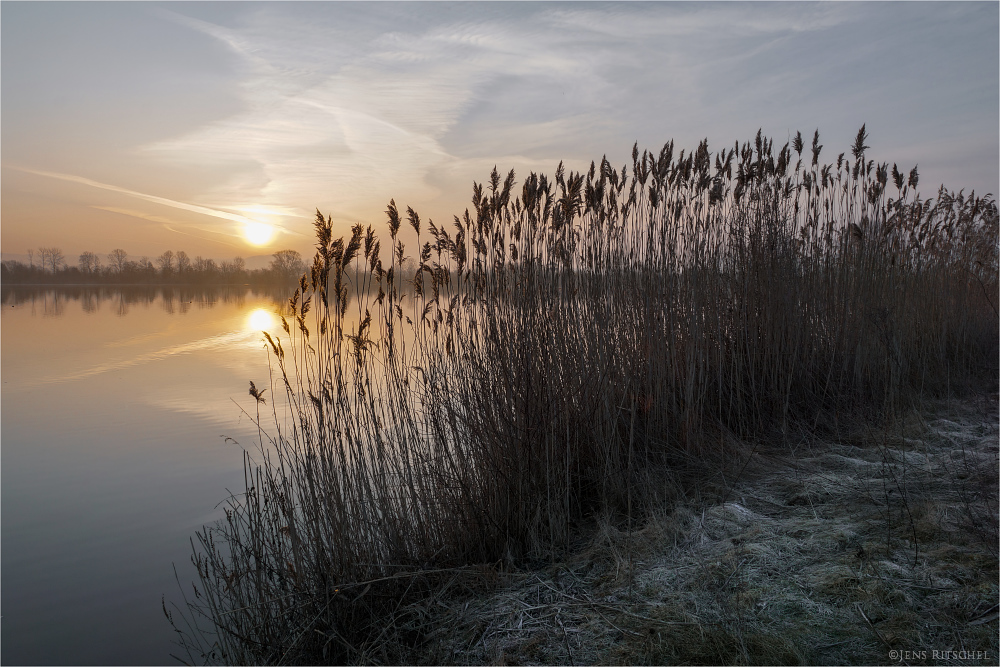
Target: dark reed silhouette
x,y
575,348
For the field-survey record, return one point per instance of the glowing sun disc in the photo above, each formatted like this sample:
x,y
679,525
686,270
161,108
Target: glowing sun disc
x,y
258,233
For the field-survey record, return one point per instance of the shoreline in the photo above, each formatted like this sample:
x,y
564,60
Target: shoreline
x,y
811,559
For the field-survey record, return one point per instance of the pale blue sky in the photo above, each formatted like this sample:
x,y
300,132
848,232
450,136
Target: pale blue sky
x,y
154,126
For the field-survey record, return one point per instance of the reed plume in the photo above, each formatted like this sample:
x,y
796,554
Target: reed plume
x,y
562,351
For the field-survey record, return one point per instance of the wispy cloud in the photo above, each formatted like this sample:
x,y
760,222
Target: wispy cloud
x,y
175,226
370,121
194,208
354,130
347,107
409,107
170,224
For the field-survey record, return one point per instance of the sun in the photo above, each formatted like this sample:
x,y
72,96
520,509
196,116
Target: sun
x,y
258,233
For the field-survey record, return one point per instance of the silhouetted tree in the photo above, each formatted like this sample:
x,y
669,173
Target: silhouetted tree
x,y
205,268
52,258
233,270
146,270
287,264
171,267
166,262
90,262
118,259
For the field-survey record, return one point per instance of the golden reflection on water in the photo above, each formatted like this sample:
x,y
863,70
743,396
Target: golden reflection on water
x,y
114,401
261,319
58,336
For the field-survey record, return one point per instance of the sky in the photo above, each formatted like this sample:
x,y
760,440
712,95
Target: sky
x,y
220,128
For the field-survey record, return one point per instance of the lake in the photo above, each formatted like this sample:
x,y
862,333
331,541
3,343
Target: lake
x,y
116,405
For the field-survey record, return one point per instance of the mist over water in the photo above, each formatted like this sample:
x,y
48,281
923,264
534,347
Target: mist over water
x,y
115,404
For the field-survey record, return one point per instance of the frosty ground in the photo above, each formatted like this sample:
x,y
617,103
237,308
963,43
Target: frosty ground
x,y
874,547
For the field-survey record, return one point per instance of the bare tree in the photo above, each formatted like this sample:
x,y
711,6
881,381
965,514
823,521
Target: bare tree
x,y
234,268
90,262
31,258
287,264
145,265
52,258
118,259
166,262
183,261
205,266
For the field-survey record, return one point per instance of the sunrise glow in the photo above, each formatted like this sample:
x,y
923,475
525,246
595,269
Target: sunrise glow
x,y
473,293
372,111
258,233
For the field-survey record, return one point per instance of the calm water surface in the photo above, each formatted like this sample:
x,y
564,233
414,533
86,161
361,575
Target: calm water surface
x,y
115,405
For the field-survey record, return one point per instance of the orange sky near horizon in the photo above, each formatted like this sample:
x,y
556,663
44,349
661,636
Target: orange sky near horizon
x,y
220,128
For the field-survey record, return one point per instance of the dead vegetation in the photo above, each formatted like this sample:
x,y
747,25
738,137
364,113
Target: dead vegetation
x,y
669,353
825,552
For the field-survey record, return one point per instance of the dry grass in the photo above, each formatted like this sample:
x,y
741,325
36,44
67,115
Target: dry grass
x,y
597,349
817,557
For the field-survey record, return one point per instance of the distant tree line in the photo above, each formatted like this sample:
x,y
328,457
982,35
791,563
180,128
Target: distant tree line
x,y
49,265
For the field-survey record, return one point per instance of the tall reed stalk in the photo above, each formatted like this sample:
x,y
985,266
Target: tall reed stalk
x,y
557,353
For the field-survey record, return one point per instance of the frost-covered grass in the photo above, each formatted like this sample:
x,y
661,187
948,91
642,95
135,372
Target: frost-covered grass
x,y
839,553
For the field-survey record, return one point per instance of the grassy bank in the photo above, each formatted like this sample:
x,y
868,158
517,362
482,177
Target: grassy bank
x,y
850,550
582,353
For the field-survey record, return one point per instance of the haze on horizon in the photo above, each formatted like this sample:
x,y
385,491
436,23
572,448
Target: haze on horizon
x,y
155,126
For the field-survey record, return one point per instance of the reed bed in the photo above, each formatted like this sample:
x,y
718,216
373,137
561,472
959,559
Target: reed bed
x,y
572,351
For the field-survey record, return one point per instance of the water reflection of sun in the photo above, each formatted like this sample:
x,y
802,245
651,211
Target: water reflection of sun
x,y
260,319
